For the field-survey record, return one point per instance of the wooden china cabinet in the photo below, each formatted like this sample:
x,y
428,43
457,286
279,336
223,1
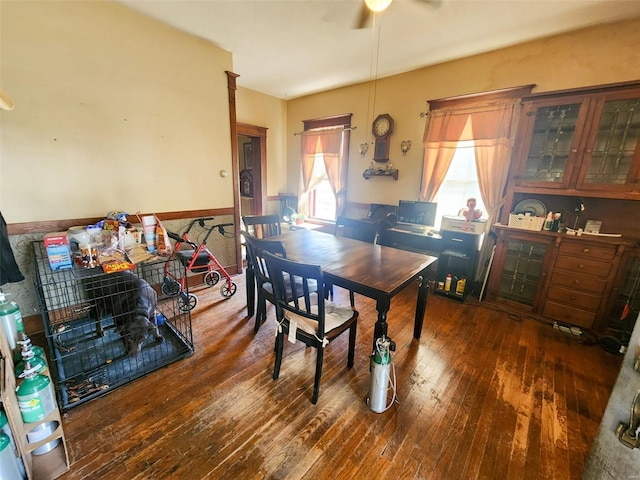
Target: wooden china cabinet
x,y
577,153
582,143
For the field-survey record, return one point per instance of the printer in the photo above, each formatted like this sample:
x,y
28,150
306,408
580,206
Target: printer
x,y
452,223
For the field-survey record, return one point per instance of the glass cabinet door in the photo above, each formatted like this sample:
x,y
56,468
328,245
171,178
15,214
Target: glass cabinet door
x,y
612,156
554,132
521,271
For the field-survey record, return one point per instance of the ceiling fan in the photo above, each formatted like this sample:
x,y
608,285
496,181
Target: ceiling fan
x,y
370,7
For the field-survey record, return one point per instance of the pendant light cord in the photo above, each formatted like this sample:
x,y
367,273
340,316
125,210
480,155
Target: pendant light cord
x,y
373,80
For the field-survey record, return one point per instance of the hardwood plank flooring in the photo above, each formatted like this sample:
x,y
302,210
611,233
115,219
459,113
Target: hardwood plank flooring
x,y
482,394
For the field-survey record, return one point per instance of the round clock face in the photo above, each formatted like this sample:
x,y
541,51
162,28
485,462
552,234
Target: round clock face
x,y
381,126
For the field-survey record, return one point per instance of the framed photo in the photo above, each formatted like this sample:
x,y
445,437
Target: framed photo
x,y
248,155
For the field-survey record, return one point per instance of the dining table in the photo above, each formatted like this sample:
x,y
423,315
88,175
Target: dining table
x,y
372,270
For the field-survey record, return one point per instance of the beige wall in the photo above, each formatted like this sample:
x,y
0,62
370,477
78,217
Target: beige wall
x,y
598,55
254,108
114,111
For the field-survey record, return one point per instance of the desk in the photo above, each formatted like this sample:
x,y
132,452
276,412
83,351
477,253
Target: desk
x,y
412,241
457,252
371,270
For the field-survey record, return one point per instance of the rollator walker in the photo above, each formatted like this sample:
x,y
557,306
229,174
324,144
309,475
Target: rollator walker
x,y
196,258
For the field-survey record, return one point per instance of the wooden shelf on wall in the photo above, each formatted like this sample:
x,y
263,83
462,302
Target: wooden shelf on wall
x,y
368,173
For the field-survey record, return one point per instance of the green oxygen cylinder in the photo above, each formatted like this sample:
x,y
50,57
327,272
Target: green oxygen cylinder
x,y
6,429
36,398
8,461
36,361
11,321
23,338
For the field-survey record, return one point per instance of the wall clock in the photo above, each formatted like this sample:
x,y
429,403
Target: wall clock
x,y
382,129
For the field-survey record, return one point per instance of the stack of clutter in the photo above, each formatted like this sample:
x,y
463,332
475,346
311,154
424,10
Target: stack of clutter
x,y
149,223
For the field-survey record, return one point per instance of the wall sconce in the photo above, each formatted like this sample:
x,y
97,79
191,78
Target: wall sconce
x,y
405,145
364,148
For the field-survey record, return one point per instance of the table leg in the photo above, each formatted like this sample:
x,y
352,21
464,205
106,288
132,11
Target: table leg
x,y
380,327
251,291
421,306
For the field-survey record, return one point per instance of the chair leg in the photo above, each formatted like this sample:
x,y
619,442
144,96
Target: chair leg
x,y
316,382
279,347
352,298
352,344
251,291
258,314
261,313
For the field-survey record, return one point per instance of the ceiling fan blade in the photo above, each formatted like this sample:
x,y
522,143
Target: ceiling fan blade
x,y
432,3
364,15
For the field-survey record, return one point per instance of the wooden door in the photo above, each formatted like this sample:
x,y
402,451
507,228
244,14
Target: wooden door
x,y
252,147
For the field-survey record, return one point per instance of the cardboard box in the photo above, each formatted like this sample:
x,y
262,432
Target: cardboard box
x,y
57,246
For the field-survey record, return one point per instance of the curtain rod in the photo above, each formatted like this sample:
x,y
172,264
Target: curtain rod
x,y
321,130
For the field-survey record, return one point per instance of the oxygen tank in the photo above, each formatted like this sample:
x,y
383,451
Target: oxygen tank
x,y
29,356
36,397
380,367
6,429
9,469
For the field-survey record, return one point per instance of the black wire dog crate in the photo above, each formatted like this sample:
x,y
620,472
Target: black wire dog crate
x,y
92,321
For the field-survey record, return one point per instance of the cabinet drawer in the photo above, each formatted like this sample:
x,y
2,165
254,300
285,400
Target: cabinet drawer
x,y
583,266
585,301
578,249
578,282
459,241
569,314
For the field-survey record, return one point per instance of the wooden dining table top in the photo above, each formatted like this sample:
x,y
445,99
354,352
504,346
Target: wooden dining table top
x,y
385,270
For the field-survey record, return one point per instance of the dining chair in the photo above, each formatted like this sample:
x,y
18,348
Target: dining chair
x,y
303,313
262,226
362,230
255,257
258,226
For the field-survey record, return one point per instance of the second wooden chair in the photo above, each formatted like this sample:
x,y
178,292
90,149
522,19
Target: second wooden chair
x,y
262,226
258,226
257,271
305,315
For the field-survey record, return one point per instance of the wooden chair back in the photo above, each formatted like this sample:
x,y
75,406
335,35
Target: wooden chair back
x,y
262,226
302,312
255,258
362,230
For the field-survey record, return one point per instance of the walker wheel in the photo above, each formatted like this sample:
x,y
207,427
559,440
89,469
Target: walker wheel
x,y
186,302
170,287
227,291
212,278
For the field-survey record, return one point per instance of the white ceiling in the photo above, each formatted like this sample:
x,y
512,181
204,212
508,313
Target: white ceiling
x,y
291,48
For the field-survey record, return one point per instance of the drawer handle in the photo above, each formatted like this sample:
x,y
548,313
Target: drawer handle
x,y
573,297
581,265
577,282
586,250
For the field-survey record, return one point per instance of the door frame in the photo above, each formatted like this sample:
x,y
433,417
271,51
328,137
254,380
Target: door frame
x,y
258,137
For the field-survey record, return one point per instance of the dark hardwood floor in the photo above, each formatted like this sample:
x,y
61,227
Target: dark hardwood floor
x,y
480,395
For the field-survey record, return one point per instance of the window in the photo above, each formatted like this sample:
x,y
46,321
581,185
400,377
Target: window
x,y
324,167
460,183
322,200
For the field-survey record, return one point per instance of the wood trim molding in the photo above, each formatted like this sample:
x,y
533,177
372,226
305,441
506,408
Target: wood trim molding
x,y
583,90
62,225
483,97
333,121
235,165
